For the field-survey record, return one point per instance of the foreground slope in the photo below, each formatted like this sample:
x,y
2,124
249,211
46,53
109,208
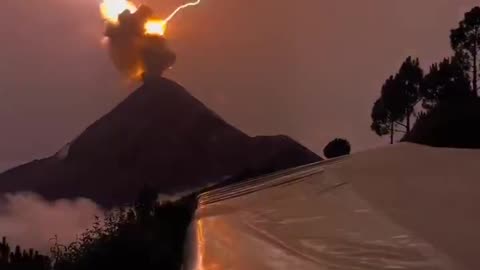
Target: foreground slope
x,y
159,136
401,207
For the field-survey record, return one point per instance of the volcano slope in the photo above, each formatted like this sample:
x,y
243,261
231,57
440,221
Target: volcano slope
x,y
161,137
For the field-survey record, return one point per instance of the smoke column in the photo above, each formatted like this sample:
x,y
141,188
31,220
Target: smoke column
x,y
136,39
133,52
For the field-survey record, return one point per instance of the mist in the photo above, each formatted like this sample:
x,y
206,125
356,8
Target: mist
x,y
30,221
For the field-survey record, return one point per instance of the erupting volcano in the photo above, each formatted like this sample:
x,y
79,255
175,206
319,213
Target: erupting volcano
x,y
160,136
136,38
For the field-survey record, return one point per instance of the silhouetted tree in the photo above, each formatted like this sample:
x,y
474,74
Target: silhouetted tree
x,y
399,95
445,81
386,113
409,79
448,84
4,252
382,122
337,148
146,202
465,40
452,124
21,259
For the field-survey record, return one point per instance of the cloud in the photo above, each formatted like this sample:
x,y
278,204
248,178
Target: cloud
x,y
30,221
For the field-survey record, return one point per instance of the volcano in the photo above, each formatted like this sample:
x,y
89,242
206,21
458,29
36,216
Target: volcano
x,y
160,136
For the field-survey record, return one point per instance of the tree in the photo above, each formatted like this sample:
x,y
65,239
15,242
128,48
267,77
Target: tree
x,y
382,122
131,240
445,81
409,80
21,259
399,95
337,148
387,113
465,41
145,202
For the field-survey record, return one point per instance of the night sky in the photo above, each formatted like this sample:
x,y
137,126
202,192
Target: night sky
x,y
310,69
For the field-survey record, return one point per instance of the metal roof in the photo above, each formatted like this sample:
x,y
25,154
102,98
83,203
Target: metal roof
x,y
401,207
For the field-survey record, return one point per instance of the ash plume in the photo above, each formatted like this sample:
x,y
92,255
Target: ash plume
x,y
137,55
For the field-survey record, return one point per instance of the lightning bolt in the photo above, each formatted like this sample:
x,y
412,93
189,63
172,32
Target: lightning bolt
x,y
191,4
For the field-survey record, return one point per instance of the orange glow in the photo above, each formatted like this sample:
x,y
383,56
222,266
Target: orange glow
x,y
110,9
138,73
155,27
200,246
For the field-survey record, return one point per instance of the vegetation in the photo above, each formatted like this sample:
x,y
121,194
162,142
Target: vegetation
x,y
147,236
445,82
451,124
399,95
465,41
19,259
411,93
337,148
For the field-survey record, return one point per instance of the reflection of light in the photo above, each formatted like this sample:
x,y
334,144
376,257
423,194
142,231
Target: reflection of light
x,y
201,246
138,73
216,253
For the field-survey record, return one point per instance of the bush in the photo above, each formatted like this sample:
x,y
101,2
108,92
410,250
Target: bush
x,y
146,236
337,148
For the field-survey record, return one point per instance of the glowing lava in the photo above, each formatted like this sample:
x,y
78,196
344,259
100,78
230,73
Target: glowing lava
x,y
110,9
155,27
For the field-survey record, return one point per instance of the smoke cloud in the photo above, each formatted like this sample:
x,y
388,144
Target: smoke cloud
x,y
28,220
135,53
